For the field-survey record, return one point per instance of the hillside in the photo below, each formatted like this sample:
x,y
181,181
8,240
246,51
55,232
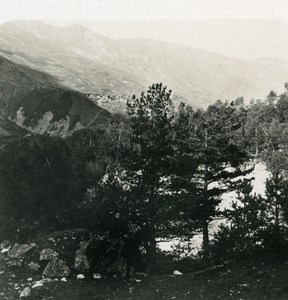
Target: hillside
x,y
257,278
239,38
77,57
83,60
9,130
34,101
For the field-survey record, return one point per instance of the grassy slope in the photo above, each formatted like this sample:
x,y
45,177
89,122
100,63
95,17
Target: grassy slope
x,y
264,278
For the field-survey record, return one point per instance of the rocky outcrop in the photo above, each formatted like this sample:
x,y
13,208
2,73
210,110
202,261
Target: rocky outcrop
x,y
56,256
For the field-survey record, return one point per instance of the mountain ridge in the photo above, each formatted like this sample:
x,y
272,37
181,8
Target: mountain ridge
x,y
91,64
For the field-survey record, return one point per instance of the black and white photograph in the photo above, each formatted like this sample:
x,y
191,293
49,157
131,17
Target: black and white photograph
x,y
143,149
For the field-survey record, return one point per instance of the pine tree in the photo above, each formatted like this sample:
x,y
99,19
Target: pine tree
x,y
219,154
147,158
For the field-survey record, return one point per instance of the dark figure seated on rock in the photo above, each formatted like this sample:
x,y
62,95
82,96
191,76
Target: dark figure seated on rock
x,y
122,245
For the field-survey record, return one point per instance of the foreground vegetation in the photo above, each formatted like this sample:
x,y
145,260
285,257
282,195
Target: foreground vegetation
x,y
253,279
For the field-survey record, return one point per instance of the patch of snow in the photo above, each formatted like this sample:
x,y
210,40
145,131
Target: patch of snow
x,y
260,174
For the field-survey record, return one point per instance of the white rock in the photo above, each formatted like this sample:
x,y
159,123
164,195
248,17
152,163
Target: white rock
x,y
63,279
176,272
5,250
80,276
29,279
41,282
37,284
25,292
97,276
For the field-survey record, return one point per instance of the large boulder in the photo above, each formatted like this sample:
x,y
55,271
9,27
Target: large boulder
x,y
19,250
48,254
17,253
81,262
56,268
26,292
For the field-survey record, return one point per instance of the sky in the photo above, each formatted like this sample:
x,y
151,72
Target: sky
x,y
141,9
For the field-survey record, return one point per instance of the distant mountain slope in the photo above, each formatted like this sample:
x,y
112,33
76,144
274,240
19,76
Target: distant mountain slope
x,y
240,38
16,80
33,101
83,60
79,58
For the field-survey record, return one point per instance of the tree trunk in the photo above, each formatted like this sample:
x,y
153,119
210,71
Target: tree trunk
x,y
256,142
151,248
205,245
151,235
277,213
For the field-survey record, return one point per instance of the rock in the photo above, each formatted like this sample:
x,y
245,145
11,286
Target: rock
x,y
18,251
34,266
5,245
97,276
5,250
29,279
63,279
26,292
48,254
14,263
37,284
41,282
243,284
80,276
176,272
226,273
56,268
81,262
